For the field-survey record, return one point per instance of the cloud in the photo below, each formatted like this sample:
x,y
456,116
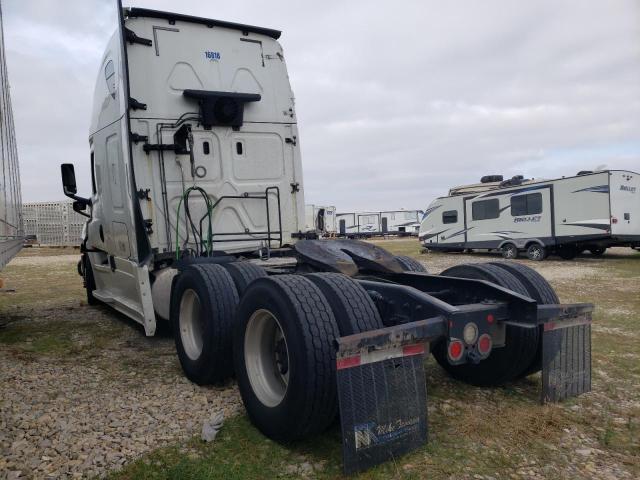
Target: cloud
x,y
396,101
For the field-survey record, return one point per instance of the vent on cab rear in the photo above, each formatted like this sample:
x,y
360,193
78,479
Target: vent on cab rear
x,y
223,109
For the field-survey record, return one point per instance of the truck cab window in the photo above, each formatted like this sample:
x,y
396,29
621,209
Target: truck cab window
x,y
110,77
450,216
529,204
485,209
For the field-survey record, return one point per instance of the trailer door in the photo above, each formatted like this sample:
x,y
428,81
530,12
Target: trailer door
x,y
625,203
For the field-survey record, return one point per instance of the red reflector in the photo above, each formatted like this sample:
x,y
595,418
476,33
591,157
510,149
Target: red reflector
x,y
484,344
490,318
456,349
614,220
348,362
416,349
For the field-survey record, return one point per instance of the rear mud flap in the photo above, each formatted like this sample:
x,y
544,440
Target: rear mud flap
x,y
566,360
383,406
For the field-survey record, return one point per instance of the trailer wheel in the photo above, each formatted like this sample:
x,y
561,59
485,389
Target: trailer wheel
x,y
567,252
536,252
284,357
597,251
509,251
410,264
243,273
89,280
352,307
506,363
539,289
203,306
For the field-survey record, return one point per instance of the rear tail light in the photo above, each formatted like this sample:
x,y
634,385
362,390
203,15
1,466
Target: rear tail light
x,y
484,344
455,350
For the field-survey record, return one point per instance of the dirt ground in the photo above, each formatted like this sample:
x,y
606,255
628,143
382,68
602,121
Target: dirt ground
x,y
84,393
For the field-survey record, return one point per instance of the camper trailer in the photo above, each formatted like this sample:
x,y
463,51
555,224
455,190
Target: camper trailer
x,y
11,231
358,224
369,224
400,222
196,215
320,220
569,215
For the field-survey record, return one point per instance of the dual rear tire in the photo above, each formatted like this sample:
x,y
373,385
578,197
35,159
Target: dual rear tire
x,y
277,339
522,353
283,349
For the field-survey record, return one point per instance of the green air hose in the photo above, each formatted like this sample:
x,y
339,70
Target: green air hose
x,y
185,199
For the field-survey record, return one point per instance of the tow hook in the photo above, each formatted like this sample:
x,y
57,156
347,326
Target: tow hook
x,y
474,356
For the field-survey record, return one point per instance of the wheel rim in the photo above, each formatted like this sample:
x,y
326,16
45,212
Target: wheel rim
x,y
191,324
266,357
535,253
509,251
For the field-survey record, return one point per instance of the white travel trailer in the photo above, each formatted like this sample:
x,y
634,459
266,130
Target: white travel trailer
x,y
401,222
358,224
11,230
568,215
320,220
368,224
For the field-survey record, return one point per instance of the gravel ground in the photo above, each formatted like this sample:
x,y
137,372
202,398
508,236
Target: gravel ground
x,y
83,391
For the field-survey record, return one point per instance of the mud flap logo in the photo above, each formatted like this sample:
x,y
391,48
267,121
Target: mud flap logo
x,y
370,434
364,436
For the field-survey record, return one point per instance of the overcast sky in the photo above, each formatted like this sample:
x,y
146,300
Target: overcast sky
x,y
397,101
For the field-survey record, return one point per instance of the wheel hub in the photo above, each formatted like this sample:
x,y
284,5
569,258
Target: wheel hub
x,y
191,324
266,357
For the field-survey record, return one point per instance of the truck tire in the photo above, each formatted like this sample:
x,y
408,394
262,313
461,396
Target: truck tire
x,y
597,251
509,251
536,252
539,289
284,358
410,264
203,307
504,364
89,280
243,273
352,307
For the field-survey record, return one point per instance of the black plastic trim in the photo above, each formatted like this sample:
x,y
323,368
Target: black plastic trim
x,y
209,22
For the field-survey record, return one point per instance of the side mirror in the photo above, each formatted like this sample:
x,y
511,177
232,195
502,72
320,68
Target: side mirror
x,y
70,189
68,179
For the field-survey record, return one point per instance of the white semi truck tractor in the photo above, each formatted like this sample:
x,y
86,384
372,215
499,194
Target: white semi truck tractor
x,y
196,217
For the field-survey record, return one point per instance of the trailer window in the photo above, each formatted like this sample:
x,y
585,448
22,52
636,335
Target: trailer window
x,y
529,204
450,216
485,209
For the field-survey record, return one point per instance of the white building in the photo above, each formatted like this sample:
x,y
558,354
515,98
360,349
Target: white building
x,y
53,223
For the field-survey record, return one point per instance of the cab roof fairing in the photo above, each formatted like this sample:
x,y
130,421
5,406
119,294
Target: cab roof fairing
x,y
133,12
